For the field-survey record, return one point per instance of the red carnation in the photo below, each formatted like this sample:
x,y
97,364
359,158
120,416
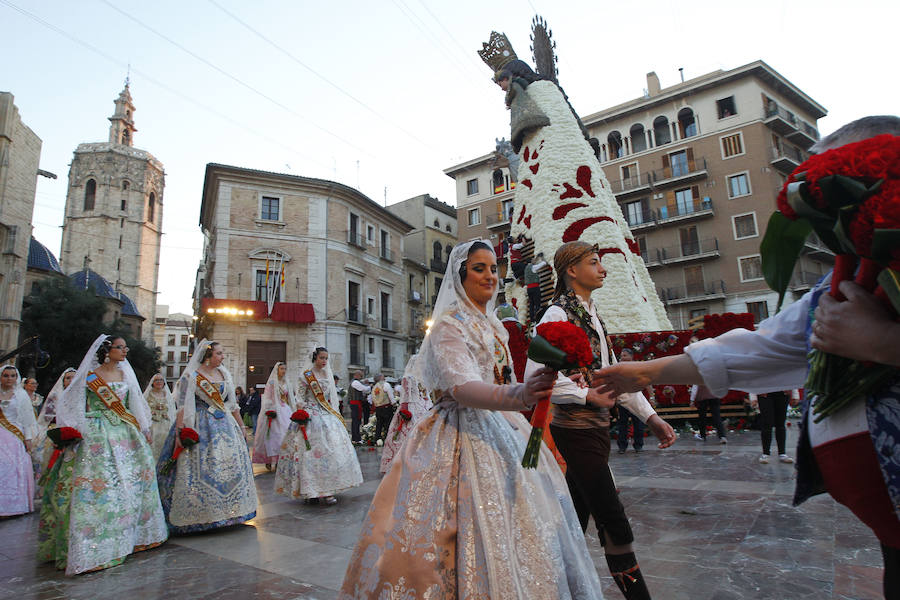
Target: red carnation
x,y
61,437
559,345
301,417
405,417
188,438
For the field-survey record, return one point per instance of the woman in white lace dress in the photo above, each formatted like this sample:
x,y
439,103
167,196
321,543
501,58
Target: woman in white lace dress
x,y
330,464
18,430
278,396
162,411
457,516
413,399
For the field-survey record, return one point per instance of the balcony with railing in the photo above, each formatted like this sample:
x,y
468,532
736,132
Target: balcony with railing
x,y
354,315
692,251
679,173
652,258
803,281
415,297
814,247
786,158
386,254
437,265
628,186
641,220
698,292
497,221
805,135
696,209
779,119
355,239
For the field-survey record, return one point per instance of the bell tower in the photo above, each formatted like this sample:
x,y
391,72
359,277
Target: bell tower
x,y
114,208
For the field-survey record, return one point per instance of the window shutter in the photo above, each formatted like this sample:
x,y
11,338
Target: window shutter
x,y
690,159
667,170
670,202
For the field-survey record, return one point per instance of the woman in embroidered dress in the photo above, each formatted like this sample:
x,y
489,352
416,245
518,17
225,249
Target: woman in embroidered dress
x,y
18,429
42,446
330,465
100,500
415,400
211,484
162,411
278,396
457,516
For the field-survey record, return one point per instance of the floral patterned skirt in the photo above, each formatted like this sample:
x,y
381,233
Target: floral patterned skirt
x,y
100,500
457,516
211,485
328,467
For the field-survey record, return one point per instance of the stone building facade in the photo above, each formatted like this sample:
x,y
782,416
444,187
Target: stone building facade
x,y
333,259
20,154
695,168
114,211
429,244
173,337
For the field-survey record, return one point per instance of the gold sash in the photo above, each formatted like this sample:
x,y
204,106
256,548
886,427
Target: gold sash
x,y
109,398
320,395
210,392
4,422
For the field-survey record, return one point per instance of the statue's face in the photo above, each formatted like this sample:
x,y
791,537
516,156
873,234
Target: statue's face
x,y
504,84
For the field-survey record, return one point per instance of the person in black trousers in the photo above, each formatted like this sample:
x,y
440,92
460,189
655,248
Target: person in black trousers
x,y
772,413
254,404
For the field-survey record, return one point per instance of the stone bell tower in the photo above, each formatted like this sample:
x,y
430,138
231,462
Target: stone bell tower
x,y
113,218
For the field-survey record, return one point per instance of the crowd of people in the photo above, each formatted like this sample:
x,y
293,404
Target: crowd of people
x,y
456,514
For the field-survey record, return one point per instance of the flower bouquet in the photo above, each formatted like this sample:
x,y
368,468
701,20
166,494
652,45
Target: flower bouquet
x,y
405,417
188,438
561,346
850,198
301,418
61,437
270,416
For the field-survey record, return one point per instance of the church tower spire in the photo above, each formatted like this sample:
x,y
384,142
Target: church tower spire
x,y
121,128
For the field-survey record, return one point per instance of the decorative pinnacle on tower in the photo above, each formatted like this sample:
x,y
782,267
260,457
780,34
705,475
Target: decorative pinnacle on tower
x,y
121,128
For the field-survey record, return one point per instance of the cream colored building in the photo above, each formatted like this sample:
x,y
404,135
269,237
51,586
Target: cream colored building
x,y
113,216
343,286
20,154
172,336
695,168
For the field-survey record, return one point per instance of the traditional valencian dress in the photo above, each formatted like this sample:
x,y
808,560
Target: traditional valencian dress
x,y
414,399
162,411
100,500
41,445
457,516
17,424
277,396
211,485
330,465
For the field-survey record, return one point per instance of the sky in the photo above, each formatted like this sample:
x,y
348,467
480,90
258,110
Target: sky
x,y
382,95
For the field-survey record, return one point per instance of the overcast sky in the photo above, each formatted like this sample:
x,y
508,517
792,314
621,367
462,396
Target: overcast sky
x,y
382,94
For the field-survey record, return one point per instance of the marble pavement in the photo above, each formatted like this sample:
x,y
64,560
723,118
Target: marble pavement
x,y
710,524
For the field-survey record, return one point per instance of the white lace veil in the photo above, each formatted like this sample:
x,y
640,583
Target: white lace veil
x,y
187,385
452,299
330,389
270,395
48,411
24,417
165,392
417,403
70,411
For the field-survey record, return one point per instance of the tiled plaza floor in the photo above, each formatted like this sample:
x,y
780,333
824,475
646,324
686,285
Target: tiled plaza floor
x,y
710,524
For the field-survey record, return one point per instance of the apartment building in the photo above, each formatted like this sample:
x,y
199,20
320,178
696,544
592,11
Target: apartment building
x,y
695,168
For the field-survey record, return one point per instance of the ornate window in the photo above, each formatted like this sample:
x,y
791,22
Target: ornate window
x,y
90,194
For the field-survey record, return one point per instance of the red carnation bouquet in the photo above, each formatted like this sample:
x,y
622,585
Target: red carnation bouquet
x,y
561,346
850,198
270,415
405,417
188,438
301,417
61,437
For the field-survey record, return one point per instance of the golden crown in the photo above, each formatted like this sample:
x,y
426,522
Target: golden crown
x,y
497,52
